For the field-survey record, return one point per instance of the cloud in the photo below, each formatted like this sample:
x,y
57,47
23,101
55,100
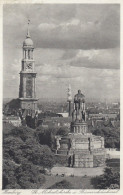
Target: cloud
x,y
75,43
77,33
94,83
78,26
46,26
99,59
68,54
56,71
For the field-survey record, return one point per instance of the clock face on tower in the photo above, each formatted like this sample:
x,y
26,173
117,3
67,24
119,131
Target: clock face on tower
x,y
29,65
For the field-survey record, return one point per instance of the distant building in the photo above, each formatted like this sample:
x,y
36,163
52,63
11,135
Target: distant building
x,y
56,122
101,116
14,120
64,114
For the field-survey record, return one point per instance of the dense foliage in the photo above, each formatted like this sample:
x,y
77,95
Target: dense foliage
x,y
24,157
110,133
109,180
62,185
26,153
111,137
63,131
47,135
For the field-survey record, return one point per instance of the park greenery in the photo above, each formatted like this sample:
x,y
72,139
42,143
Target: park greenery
x,y
62,185
109,180
24,158
28,152
110,133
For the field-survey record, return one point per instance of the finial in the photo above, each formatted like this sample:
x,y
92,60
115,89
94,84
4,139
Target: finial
x,y
28,34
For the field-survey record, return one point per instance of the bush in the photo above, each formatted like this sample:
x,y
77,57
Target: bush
x,y
63,131
108,179
62,185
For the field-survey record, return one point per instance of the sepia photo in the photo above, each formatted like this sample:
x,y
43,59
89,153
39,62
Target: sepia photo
x,y
61,96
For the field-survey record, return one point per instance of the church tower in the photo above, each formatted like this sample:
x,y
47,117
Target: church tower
x,y
27,90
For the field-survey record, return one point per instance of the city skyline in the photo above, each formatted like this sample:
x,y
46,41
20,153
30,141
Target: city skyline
x,y
74,44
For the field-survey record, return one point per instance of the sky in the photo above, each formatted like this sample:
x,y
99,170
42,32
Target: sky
x,y
76,44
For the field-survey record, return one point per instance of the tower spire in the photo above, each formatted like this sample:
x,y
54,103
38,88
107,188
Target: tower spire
x,y
28,34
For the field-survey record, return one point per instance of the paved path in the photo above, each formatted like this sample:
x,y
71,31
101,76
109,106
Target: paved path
x,y
68,171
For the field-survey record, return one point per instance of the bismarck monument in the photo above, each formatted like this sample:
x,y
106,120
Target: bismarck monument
x,y
82,148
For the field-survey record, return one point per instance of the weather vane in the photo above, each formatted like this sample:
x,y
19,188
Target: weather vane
x,y
28,34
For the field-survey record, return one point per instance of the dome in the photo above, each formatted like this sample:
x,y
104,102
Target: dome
x,y
28,42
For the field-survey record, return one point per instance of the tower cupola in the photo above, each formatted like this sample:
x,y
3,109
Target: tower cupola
x,y
28,41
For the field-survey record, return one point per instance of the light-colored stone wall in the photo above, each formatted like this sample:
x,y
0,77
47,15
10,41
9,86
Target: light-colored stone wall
x,y
81,146
97,144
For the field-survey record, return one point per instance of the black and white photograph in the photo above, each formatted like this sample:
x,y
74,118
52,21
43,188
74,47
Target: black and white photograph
x,y
61,96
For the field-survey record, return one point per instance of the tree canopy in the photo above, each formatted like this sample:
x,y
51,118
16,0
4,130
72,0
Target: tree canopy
x,y
110,179
24,157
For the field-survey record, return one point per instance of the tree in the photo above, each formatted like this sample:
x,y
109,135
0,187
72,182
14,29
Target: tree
x,y
63,131
106,180
111,136
38,154
29,176
114,186
23,158
46,136
43,136
24,176
22,132
62,185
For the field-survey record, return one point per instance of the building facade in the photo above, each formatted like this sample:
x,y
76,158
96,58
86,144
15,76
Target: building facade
x,y
14,120
27,89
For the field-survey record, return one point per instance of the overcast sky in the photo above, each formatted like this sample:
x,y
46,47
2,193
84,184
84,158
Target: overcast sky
x,y
75,43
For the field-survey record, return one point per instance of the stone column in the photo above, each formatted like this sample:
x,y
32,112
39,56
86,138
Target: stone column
x,y
23,54
32,53
28,54
32,86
